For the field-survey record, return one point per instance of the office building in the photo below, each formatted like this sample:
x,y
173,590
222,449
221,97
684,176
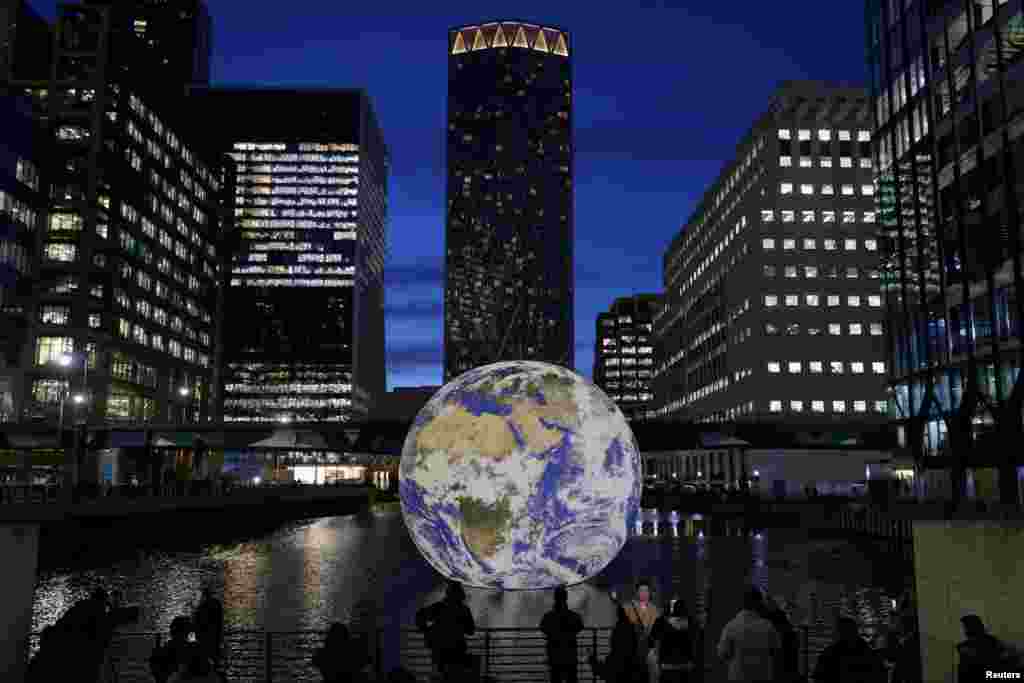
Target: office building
x,y
21,211
773,306
509,210
127,286
26,42
947,88
304,321
624,353
402,404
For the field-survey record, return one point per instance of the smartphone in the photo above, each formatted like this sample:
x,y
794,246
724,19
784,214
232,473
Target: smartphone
x,y
191,636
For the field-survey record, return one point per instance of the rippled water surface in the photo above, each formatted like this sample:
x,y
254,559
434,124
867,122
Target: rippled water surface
x,y
365,568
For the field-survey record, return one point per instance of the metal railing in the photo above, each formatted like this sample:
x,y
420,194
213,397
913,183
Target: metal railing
x,y
505,655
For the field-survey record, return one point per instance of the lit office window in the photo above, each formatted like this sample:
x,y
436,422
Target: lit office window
x,y
95,321
769,271
881,406
803,135
878,367
865,135
771,300
828,188
833,300
788,216
771,330
793,329
784,134
865,162
838,406
844,136
825,162
850,244
796,406
856,328
818,406
775,406
845,162
807,189
774,367
767,215
869,217
857,367
876,329
795,367
805,162
788,244
812,299
849,216
790,271
860,406
785,162
828,216
847,190
786,188
852,273
871,245
835,329
792,300
830,244
853,300
867,190
807,216
814,331
810,271
815,367
825,134
768,243
810,243
835,367
875,301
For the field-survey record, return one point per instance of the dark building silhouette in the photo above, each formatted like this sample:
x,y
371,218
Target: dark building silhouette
x,y
773,307
509,215
947,98
129,261
26,42
624,353
304,320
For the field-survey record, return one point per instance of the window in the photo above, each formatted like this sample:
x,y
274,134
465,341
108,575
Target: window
x,y
825,134
769,271
871,245
65,253
795,367
853,300
812,299
876,329
815,366
790,271
771,330
54,315
796,406
860,406
768,243
868,217
878,367
788,244
95,321
810,271
771,300
814,331
786,188
838,406
775,406
785,162
818,406
828,188
849,216
803,135
61,222
833,300
810,243
852,273
863,136
788,216
825,162
875,300
857,367
27,173
793,329
792,300
835,329
805,162
845,162
847,190
807,216
835,367
774,367
830,244
51,349
844,136
784,134
865,162
867,190
807,189
881,406
767,215
828,216
856,328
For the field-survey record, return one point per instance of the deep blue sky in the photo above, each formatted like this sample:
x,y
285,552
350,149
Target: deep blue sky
x,y
663,92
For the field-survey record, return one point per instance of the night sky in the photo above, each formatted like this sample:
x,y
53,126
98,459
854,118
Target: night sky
x,y
663,93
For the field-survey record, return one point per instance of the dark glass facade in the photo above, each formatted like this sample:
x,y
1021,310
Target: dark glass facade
x,y
304,320
624,353
509,211
948,101
26,42
128,274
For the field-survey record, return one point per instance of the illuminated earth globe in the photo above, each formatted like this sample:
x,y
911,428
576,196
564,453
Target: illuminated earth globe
x,y
520,475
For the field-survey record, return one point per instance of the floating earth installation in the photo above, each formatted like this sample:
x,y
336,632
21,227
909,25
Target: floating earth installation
x,y
520,475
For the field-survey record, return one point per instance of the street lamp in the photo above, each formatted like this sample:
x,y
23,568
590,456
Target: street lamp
x,y
183,393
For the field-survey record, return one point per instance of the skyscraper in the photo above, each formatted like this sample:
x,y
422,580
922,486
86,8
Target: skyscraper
x,y
509,211
624,353
304,319
947,88
773,303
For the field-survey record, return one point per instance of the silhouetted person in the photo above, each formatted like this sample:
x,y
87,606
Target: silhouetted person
x,y
170,657
209,624
446,624
51,662
907,653
642,613
849,658
787,662
622,664
561,626
197,668
981,652
341,657
672,637
749,642
87,629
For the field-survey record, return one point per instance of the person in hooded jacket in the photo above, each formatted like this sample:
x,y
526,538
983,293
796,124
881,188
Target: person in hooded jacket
x,y
672,637
849,658
561,626
446,624
981,652
339,660
168,659
622,665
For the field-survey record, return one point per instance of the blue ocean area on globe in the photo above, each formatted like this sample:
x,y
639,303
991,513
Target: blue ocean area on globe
x,y
520,475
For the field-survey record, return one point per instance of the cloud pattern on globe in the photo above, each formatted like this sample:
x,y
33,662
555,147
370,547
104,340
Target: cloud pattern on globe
x,y
520,475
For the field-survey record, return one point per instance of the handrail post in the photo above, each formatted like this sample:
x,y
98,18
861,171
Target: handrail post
x,y
807,653
593,634
487,652
268,660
